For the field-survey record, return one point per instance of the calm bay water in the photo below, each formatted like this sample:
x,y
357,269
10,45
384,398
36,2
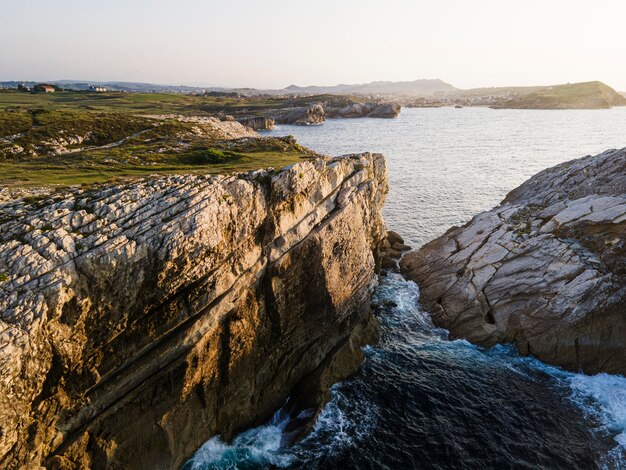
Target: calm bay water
x,y
447,164
421,400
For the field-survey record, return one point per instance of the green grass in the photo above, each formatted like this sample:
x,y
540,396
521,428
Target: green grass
x,y
14,122
36,174
155,103
141,146
48,125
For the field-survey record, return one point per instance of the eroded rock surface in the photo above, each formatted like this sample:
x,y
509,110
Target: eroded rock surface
x,y
374,110
302,115
546,269
318,113
139,320
257,122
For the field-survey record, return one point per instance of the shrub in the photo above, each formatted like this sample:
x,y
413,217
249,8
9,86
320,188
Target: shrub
x,y
210,156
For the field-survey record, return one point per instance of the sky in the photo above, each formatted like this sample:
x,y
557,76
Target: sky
x,y
274,43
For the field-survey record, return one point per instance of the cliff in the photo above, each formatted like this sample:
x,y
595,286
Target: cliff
x,y
374,110
258,123
545,270
139,320
333,109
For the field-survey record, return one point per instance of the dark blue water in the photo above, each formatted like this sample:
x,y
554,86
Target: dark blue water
x,y
421,400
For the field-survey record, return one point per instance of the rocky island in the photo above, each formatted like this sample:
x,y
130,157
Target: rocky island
x,y
546,269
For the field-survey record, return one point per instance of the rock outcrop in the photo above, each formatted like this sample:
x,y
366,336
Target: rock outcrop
x,y
139,320
210,125
318,113
545,270
303,115
258,123
354,110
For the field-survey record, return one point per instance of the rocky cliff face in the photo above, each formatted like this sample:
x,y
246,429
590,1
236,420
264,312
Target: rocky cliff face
x,y
302,115
139,320
258,123
317,113
545,270
375,110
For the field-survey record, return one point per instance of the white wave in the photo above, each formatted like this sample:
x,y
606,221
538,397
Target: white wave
x,y
260,446
607,396
341,429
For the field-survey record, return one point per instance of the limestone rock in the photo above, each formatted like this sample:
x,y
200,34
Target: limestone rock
x,y
303,115
394,237
386,110
356,110
545,270
139,320
257,122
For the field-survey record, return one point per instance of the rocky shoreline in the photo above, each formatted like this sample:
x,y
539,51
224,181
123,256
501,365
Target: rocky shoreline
x,y
317,113
141,319
546,269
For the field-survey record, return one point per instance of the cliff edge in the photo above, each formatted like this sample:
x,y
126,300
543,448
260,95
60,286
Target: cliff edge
x,y
545,270
140,320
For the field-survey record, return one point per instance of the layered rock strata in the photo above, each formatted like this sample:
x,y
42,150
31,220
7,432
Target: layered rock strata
x,y
302,115
140,320
545,270
258,123
374,110
318,113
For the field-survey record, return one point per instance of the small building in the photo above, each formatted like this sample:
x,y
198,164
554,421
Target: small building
x,y
98,89
44,88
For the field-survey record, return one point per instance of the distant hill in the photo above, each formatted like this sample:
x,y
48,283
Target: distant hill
x,y
586,95
411,88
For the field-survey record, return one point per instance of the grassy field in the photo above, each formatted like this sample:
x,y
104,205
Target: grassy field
x,y
151,103
71,138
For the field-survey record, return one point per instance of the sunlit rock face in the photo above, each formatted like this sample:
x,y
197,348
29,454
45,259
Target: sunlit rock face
x,y
140,320
545,270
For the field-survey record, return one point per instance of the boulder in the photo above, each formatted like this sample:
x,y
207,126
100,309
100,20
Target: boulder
x,y
258,123
394,237
400,247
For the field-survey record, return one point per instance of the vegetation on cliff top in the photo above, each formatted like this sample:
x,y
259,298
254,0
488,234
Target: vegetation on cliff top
x,y
160,103
82,138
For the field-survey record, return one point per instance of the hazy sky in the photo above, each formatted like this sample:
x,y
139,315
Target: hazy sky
x,y
273,43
